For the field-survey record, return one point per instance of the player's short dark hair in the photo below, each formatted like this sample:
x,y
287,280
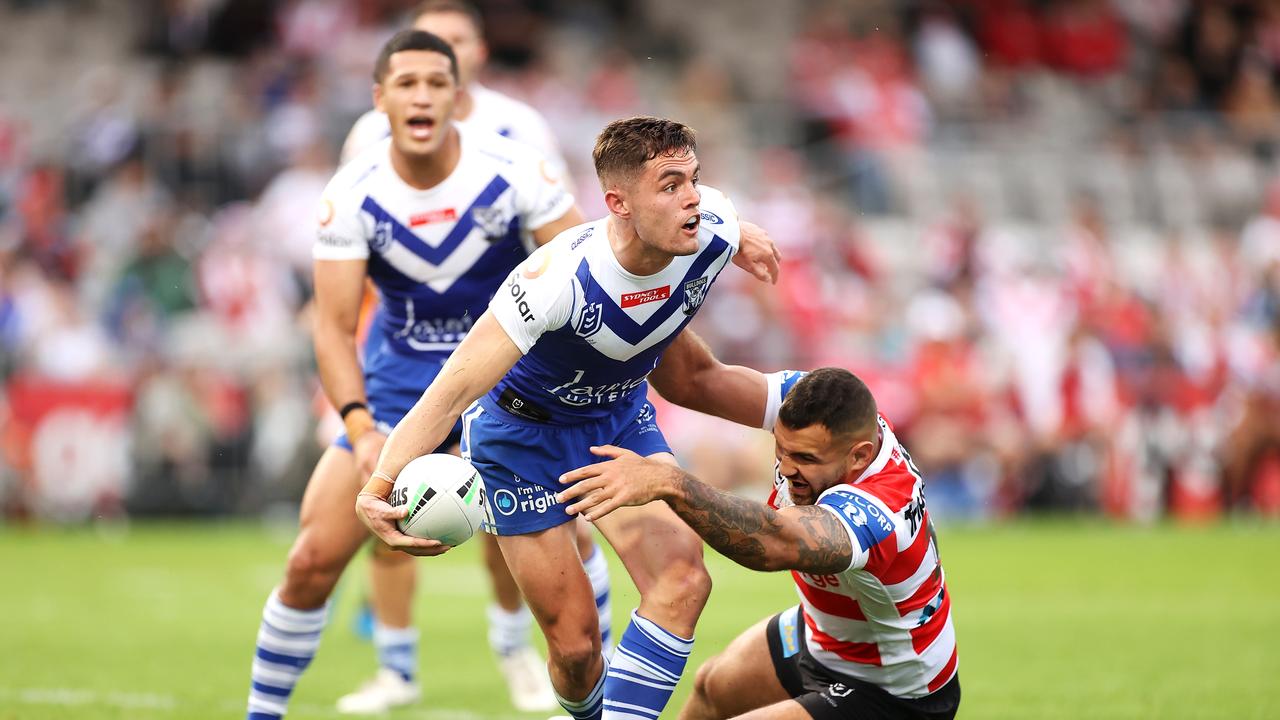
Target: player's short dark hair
x,y
412,40
466,9
832,397
624,146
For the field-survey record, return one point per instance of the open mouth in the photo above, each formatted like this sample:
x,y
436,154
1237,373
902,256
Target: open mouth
x,y
691,225
421,126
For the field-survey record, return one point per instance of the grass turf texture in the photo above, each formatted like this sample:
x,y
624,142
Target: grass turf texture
x,y
1057,619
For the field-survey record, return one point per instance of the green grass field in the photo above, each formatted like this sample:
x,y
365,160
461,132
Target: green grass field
x,y
1055,620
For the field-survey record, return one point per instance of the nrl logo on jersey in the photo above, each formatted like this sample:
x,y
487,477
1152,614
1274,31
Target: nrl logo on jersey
x,y
695,291
381,236
591,319
492,221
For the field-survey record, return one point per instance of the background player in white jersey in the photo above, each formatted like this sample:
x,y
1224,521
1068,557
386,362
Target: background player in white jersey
x,y
393,574
872,636
461,25
436,216
561,358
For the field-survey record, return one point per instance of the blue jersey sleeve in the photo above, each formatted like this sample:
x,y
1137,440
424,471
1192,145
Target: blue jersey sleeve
x,y
865,520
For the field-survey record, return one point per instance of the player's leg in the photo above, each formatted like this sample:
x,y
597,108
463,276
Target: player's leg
x,y
597,567
745,676
548,570
510,623
393,579
664,558
294,615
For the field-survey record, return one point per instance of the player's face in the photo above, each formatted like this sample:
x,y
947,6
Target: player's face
x,y
417,95
664,203
457,30
812,460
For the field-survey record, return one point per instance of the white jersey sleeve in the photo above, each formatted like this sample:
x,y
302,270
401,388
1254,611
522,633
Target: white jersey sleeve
x,y
340,231
543,196
865,519
371,128
719,215
780,383
537,296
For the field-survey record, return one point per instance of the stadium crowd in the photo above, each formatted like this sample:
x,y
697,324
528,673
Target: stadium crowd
x,y
1047,233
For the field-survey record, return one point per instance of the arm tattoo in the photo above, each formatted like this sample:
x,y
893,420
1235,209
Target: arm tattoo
x,y
756,536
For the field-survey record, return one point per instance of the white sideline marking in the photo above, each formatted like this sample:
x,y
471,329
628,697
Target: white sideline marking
x,y
79,697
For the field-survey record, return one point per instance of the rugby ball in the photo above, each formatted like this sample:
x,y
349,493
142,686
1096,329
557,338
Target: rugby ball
x,y
445,497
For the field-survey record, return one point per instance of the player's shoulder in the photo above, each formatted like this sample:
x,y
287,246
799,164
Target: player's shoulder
x,y
862,510
369,129
719,219
498,149
558,261
356,174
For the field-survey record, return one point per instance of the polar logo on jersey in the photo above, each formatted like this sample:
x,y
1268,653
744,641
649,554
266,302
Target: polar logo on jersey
x,y
708,216
520,297
869,523
381,236
492,221
695,291
590,320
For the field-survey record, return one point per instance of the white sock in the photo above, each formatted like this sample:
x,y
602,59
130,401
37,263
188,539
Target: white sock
x,y
508,630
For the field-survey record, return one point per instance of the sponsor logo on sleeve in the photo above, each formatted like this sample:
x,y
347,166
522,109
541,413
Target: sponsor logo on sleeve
x,y
645,296
519,296
870,524
695,291
326,212
710,217
533,268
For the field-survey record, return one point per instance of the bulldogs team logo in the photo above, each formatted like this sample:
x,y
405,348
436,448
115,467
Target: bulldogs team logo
x,y
590,320
492,221
381,236
695,291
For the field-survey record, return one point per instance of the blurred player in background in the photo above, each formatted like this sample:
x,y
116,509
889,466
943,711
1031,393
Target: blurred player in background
x,y
561,358
436,215
393,574
872,636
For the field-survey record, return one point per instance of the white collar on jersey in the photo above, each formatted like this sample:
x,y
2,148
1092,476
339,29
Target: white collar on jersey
x,y
888,441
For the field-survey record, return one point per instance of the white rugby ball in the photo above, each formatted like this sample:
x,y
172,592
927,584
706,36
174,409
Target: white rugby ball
x,y
445,496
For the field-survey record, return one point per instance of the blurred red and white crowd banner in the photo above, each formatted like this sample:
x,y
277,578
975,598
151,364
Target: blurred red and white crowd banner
x,y
68,444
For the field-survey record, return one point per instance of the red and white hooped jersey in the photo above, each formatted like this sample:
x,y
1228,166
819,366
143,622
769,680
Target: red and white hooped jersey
x,y
885,620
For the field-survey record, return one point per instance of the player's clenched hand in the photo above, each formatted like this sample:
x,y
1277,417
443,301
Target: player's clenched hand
x,y
378,515
756,253
366,448
625,480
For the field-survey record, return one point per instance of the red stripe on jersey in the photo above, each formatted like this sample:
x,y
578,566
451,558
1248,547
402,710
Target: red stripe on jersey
x,y
894,485
907,562
827,601
928,590
882,554
865,653
945,674
923,636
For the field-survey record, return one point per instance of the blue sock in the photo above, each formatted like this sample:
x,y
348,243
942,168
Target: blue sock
x,y
590,707
597,568
644,671
397,649
287,640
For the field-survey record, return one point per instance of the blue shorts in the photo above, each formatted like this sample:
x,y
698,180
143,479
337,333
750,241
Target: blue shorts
x,y
393,382
522,460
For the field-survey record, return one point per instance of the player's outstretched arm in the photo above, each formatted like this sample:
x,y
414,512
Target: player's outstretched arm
x,y
756,253
808,539
479,362
689,375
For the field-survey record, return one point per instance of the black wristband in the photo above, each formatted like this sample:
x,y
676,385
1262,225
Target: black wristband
x,y
351,407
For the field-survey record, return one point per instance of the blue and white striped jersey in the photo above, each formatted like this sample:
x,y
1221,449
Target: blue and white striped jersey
x,y
437,255
591,332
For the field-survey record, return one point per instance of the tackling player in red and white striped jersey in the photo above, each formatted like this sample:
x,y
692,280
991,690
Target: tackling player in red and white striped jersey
x,y
872,636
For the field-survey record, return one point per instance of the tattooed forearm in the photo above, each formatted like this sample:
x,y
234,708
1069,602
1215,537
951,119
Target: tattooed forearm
x,y
824,546
756,536
736,527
